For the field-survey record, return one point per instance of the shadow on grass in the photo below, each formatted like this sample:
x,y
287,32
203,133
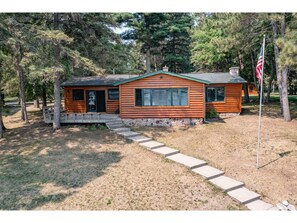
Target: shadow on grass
x,y
38,166
281,155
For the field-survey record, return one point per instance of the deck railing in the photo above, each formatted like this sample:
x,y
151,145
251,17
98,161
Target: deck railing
x,y
48,115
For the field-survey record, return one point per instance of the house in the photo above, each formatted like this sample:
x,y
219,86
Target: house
x,y
252,89
157,98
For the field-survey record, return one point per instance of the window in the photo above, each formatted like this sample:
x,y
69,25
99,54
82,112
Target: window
x,y
161,97
215,94
113,94
78,95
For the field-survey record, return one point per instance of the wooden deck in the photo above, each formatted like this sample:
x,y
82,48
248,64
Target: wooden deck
x,y
79,118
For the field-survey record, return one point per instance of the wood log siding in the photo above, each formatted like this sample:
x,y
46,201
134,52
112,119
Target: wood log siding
x,y
71,106
194,109
233,99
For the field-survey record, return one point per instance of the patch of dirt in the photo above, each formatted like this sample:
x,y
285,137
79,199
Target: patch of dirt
x,y
93,169
231,144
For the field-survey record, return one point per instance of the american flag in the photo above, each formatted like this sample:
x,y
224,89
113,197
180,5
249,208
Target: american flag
x,y
259,66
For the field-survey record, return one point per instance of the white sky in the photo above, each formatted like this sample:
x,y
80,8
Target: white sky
x,y
147,6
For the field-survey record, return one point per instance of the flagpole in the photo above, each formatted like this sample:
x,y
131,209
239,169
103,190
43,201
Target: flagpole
x,y
260,109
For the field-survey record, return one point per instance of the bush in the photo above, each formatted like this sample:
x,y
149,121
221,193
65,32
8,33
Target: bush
x,y
212,113
97,127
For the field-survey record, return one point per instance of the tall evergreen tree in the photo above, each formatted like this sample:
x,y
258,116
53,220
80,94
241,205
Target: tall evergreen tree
x,y
176,45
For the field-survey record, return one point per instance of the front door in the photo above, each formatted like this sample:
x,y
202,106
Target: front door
x,y
91,101
101,107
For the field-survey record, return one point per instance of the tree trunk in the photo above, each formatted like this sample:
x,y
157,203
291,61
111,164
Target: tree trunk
x,y
285,99
1,122
269,84
57,90
36,103
148,61
43,95
278,72
21,86
57,104
246,93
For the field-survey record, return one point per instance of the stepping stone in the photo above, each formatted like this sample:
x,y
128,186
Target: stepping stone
x,y
128,133
140,139
121,130
208,172
244,195
226,183
259,205
274,209
114,122
114,125
152,144
188,161
166,151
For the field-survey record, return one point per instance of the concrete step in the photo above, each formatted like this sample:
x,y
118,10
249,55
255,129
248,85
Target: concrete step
x,y
165,151
274,208
120,125
128,133
259,205
152,144
121,129
188,161
208,172
140,139
116,127
226,183
112,122
244,195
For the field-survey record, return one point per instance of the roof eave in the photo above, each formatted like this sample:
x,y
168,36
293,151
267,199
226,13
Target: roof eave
x,y
160,72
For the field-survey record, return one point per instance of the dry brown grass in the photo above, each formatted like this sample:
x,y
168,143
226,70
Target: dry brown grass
x,y
83,168
231,146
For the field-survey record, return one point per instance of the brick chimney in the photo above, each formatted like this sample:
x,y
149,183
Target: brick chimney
x,y
234,71
165,68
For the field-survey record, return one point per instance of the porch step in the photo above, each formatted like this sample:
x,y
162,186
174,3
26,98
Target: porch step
x,y
244,195
120,125
114,122
128,133
188,161
226,183
140,139
152,144
122,129
208,172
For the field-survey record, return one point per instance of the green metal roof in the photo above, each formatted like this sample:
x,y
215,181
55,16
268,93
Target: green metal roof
x,y
218,78
118,79
105,80
162,72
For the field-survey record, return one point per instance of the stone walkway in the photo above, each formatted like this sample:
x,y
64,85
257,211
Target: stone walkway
x,y
235,189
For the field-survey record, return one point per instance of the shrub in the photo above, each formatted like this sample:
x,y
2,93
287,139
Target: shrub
x,y
212,113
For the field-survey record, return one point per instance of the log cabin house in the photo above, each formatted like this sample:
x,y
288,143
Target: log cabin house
x,y
157,97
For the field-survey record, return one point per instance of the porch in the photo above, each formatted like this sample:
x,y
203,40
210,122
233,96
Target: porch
x,y
79,118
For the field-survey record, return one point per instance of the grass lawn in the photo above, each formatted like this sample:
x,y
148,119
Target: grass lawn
x,y
230,145
89,168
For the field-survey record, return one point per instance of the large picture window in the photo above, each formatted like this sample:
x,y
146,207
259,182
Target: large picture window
x,y
161,97
215,94
78,94
113,94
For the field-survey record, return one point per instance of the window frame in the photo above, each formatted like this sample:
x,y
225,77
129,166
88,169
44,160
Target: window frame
x,y
171,97
75,90
112,89
216,93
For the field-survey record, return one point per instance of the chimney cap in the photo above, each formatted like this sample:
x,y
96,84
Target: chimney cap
x,y
234,70
165,68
